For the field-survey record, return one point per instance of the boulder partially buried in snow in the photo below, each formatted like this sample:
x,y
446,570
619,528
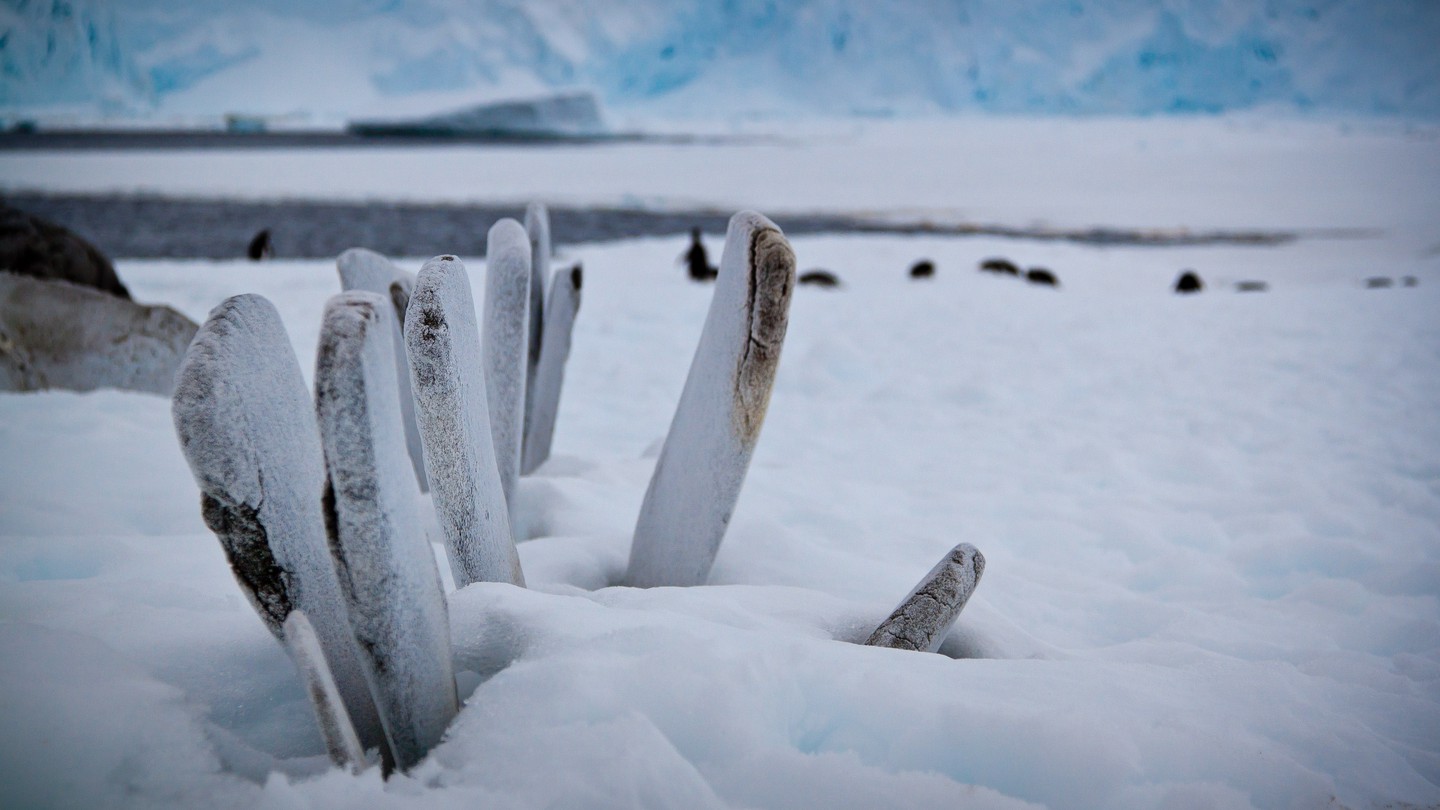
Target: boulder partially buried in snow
x,y
387,572
246,425
54,334
698,477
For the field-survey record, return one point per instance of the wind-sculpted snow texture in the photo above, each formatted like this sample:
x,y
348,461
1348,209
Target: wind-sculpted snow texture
x,y
55,334
443,340
927,614
537,228
560,311
362,269
341,741
247,428
507,311
698,477
386,569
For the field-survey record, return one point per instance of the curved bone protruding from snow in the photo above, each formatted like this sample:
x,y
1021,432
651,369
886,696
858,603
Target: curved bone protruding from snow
x,y
560,310
927,613
537,228
698,477
443,340
505,341
247,427
362,269
341,741
386,569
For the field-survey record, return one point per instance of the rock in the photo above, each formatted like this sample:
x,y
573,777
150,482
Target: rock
x,y
31,246
1378,283
1189,282
1039,275
922,269
56,334
1003,267
819,278
1251,286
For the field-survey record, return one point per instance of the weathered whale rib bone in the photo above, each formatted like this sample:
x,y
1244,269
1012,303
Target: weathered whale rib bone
x,y
537,229
928,612
362,269
707,452
246,425
443,341
504,346
560,311
386,569
341,741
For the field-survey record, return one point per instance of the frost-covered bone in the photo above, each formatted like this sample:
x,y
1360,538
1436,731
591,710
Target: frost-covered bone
x,y
386,570
247,427
55,334
443,340
537,228
927,613
560,310
341,741
707,452
362,269
507,315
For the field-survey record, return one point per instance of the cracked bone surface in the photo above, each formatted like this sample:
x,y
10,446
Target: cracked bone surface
x,y
560,311
246,425
930,610
707,452
443,340
384,563
362,269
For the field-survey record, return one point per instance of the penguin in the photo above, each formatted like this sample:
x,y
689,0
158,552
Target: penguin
x,y
260,247
697,260
1189,282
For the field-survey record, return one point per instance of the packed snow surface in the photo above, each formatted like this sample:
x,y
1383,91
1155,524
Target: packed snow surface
x,y
1211,526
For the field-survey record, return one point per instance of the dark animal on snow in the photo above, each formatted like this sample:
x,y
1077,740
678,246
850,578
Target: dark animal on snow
x,y
922,269
1378,283
260,247
1039,275
1003,267
1189,282
698,261
819,278
1251,286
31,246
1410,281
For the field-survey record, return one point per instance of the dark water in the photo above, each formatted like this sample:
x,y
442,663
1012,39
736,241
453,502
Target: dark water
x,y
142,227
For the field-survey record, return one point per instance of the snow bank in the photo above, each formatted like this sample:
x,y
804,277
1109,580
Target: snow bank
x,y
54,334
443,341
386,568
717,422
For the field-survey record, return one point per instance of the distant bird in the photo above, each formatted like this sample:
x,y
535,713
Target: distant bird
x,y
698,261
922,269
260,247
1003,267
820,278
1378,283
1410,281
1251,286
31,246
1189,282
1039,275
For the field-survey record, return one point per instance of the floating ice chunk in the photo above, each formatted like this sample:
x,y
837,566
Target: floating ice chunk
x,y
362,269
56,334
537,228
341,741
707,451
247,428
927,613
443,340
507,313
560,310
386,569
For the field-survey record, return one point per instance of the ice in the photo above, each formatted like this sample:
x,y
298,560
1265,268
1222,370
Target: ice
x,y
54,334
443,340
927,613
362,269
560,314
387,572
717,422
537,227
247,428
504,346
574,114
341,741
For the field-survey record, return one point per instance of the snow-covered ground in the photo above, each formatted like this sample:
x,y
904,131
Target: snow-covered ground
x,y
1211,523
